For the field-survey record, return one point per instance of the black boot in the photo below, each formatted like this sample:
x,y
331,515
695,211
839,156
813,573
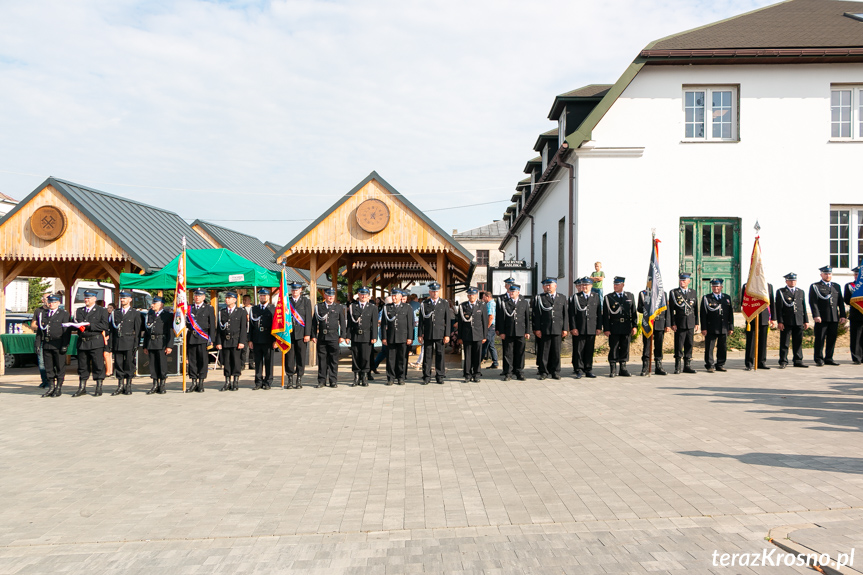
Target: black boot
x,y
364,379
200,387
401,382
290,382
119,389
191,386
127,389
82,388
98,391
687,366
58,391
676,366
612,369
155,387
227,386
644,368
258,385
658,369
236,383
389,381
356,379
162,384
52,385
623,371
369,377
299,382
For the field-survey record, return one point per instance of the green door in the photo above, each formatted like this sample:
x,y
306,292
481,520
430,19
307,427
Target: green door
x,y
710,248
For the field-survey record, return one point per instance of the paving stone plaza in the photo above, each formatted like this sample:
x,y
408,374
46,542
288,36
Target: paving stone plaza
x,y
591,476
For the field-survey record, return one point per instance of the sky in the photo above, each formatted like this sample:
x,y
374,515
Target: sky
x,y
259,115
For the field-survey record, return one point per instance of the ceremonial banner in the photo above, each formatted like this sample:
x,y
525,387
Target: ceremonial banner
x,y
655,301
857,291
756,298
181,305
282,324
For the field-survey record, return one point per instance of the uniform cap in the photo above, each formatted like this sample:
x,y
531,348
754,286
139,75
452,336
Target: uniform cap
x,y
547,281
717,281
472,290
158,299
363,290
53,297
509,281
232,294
578,281
857,269
125,294
826,270
514,287
434,286
586,280
90,293
790,276
329,291
619,279
200,291
263,291
295,285
685,276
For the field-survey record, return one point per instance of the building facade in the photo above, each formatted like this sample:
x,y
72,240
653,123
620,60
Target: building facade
x,y
757,118
484,243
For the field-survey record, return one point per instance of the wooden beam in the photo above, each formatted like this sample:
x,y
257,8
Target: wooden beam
x,y
327,265
11,275
441,269
424,264
114,274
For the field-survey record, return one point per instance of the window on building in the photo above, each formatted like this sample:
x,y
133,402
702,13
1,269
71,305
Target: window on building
x,y
544,255
846,236
846,112
544,158
710,113
561,242
482,286
482,257
532,179
561,128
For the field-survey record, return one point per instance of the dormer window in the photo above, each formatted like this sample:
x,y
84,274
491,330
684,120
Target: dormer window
x,y
561,128
544,158
532,180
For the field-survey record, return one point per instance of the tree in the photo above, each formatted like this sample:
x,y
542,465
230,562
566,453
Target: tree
x,y
36,289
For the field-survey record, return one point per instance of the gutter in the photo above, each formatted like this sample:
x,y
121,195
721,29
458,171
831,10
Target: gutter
x,y
752,52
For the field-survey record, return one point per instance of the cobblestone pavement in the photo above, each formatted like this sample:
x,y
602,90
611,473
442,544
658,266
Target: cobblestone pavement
x,y
571,476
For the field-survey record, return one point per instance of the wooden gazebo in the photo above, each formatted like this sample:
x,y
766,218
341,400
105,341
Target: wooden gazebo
x,y
69,231
380,239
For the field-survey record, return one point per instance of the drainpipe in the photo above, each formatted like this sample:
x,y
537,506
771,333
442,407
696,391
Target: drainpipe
x,y
532,243
572,257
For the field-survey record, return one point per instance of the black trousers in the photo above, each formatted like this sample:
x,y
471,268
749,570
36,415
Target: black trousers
x,y
158,363
825,339
397,359
124,363
548,355
658,339
244,356
472,357
749,357
361,356
55,363
618,347
433,350
683,343
263,354
197,360
328,361
297,357
855,330
91,361
718,341
582,352
232,362
795,333
513,355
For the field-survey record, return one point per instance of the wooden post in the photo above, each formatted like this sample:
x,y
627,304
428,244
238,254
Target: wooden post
x,y
313,295
2,315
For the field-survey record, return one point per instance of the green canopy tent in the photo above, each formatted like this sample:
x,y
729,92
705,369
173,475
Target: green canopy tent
x,y
214,269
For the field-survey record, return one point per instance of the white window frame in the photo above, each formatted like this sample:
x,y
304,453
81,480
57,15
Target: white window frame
x,y
855,236
856,117
708,112
561,128
544,158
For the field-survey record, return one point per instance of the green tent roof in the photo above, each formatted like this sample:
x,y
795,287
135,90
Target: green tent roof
x,y
216,268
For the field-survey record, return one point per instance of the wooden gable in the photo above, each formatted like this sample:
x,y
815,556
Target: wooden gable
x,y
82,239
339,231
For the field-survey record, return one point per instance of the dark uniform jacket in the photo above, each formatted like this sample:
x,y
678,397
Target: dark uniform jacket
x,y
158,330
619,313
261,324
438,322
397,323
768,314
584,313
853,313
472,321
550,314
126,329
50,332
717,315
791,307
91,337
303,307
498,306
661,319
513,318
206,319
683,308
329,324
233,328
362,323
825,301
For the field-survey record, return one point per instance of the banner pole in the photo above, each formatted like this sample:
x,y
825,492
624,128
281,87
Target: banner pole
x,y
755,325
650,351
184,361
283,369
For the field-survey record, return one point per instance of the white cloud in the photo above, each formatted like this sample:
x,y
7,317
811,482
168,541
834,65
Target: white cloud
x,y
304,97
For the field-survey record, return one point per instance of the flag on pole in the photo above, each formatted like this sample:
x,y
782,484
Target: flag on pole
x,y
655,301
282,324
181,305
756,297
857,291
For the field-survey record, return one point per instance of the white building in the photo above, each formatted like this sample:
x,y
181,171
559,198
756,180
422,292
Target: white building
x,y
754,118
484,243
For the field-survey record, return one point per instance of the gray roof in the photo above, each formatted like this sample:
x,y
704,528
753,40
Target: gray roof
x,y
273,246
790,24
495,230
151,235
244,245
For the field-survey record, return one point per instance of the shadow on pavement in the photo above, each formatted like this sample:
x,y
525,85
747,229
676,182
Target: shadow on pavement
x,y
813,462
